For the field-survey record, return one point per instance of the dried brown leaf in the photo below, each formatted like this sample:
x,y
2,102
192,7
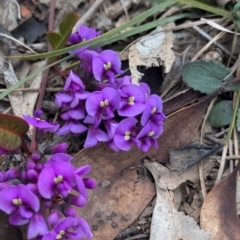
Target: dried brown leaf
x,y
219,213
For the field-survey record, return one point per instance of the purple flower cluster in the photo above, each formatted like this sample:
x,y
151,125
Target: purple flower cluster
x,y
109,109
42,195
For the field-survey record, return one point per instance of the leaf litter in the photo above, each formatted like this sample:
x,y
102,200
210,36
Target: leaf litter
x,y
120,199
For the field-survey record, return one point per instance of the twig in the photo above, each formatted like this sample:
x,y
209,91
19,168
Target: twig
x,y
235,143
208,37
212,41
33,90
201,175
17,41
221,133
222,164
88,14
136,237
230,149
33,145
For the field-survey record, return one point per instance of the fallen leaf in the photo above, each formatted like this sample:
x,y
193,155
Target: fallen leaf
x,y
152,50
24,102
167,222
219,212
30,30
118,199
9,14
187,156
180,128
172,179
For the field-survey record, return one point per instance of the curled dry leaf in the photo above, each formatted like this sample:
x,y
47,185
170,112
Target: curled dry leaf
x,y
24,102
219,212
167,222
152,50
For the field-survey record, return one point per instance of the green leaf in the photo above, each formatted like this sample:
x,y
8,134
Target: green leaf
x,y
205,76
221,114
11,130
9,141
13,123
58,40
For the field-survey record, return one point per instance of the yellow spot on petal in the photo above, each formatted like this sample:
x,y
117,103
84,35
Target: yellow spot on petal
x,y
58,179
107,66
131,100
153,110
17,201
127,135
62,232
106,102
59,237
101,104
150,134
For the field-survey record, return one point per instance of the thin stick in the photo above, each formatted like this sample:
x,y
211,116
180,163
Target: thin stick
x,y
222,164
230,148
17,41
33,90
212,41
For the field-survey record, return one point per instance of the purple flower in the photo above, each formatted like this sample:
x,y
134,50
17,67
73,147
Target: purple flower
x,y
78,97
54,217
69,228
62,100
132,100
88,182
84,33
123,81
148,135
57,176
37,226
106,65
94,136
20,203
125,135
110,126
145,89
12,173
73,126
102,104
153,111
58,148
41,124
73,83
76,113
86,57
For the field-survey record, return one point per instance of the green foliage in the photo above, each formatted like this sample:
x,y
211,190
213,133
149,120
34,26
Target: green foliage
x,y
205,76
221,114
58,40
11,130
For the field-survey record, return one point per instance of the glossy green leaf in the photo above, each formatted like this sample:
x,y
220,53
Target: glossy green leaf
x,y
58,40
221,114
11,130
205,76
